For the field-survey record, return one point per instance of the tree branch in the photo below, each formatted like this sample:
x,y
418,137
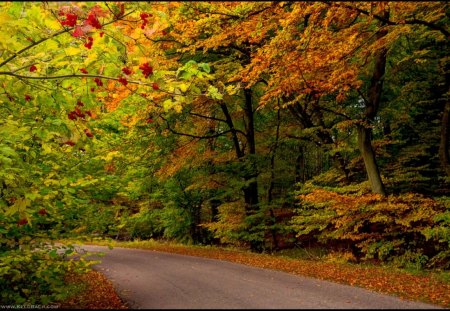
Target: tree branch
x,y
191,135
8,73
387,21
207,117
48,38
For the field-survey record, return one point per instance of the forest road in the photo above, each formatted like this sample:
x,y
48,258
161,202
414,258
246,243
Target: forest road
x,y
147,279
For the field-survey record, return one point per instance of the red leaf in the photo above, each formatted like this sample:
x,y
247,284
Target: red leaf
x,y
98,11
83,70
93,21
79,103
70,143
155,86
33,68
101,34
88,45
149,120
27,97
42,212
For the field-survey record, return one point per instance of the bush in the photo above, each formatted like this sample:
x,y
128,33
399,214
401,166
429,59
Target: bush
x,y
36,276
408,230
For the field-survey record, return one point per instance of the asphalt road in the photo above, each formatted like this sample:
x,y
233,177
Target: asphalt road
x,y
154,280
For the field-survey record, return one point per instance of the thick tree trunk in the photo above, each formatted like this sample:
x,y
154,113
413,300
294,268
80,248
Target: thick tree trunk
x,y
368,155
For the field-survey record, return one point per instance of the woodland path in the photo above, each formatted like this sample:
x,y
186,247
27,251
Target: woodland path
x,y
147,279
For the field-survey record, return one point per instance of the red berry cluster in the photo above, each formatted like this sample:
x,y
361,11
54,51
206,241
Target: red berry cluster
x,y
127,71
146,69
78,113
70,21
88,133
22,222
33,68
98,82
89,42
144,17
83,70
123,81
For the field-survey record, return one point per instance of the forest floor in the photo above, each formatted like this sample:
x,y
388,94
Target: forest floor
x,y
427,287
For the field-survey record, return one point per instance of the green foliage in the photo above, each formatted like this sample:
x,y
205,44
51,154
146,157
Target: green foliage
x,y
36,276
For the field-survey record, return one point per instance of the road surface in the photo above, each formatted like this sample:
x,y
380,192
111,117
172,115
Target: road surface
x,y
147,279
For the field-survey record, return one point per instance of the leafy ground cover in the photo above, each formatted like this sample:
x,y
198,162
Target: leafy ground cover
x,y
427,287
91,290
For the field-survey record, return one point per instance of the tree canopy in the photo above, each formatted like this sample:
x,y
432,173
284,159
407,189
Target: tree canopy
x,y
256,124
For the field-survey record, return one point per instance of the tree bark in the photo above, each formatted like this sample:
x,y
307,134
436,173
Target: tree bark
x,y
368,155
272,220
251,197
372,105
250,190
445,139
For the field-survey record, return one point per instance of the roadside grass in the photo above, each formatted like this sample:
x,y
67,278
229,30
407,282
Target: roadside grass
x,y
426,286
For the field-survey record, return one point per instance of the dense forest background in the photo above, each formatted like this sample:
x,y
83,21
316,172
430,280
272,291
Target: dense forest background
x,y
261,125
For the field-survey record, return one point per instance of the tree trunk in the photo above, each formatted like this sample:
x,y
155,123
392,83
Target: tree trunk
x,y
272,220
323,138
445,139
300,166
251,197
368,155
371,109
250,189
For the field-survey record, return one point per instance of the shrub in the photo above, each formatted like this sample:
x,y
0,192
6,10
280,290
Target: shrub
x,y
36,276
408,230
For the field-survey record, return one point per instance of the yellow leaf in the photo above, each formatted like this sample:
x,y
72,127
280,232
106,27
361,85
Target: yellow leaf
x,y
72,51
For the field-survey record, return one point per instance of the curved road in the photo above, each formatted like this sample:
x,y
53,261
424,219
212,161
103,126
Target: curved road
x,y
154,280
